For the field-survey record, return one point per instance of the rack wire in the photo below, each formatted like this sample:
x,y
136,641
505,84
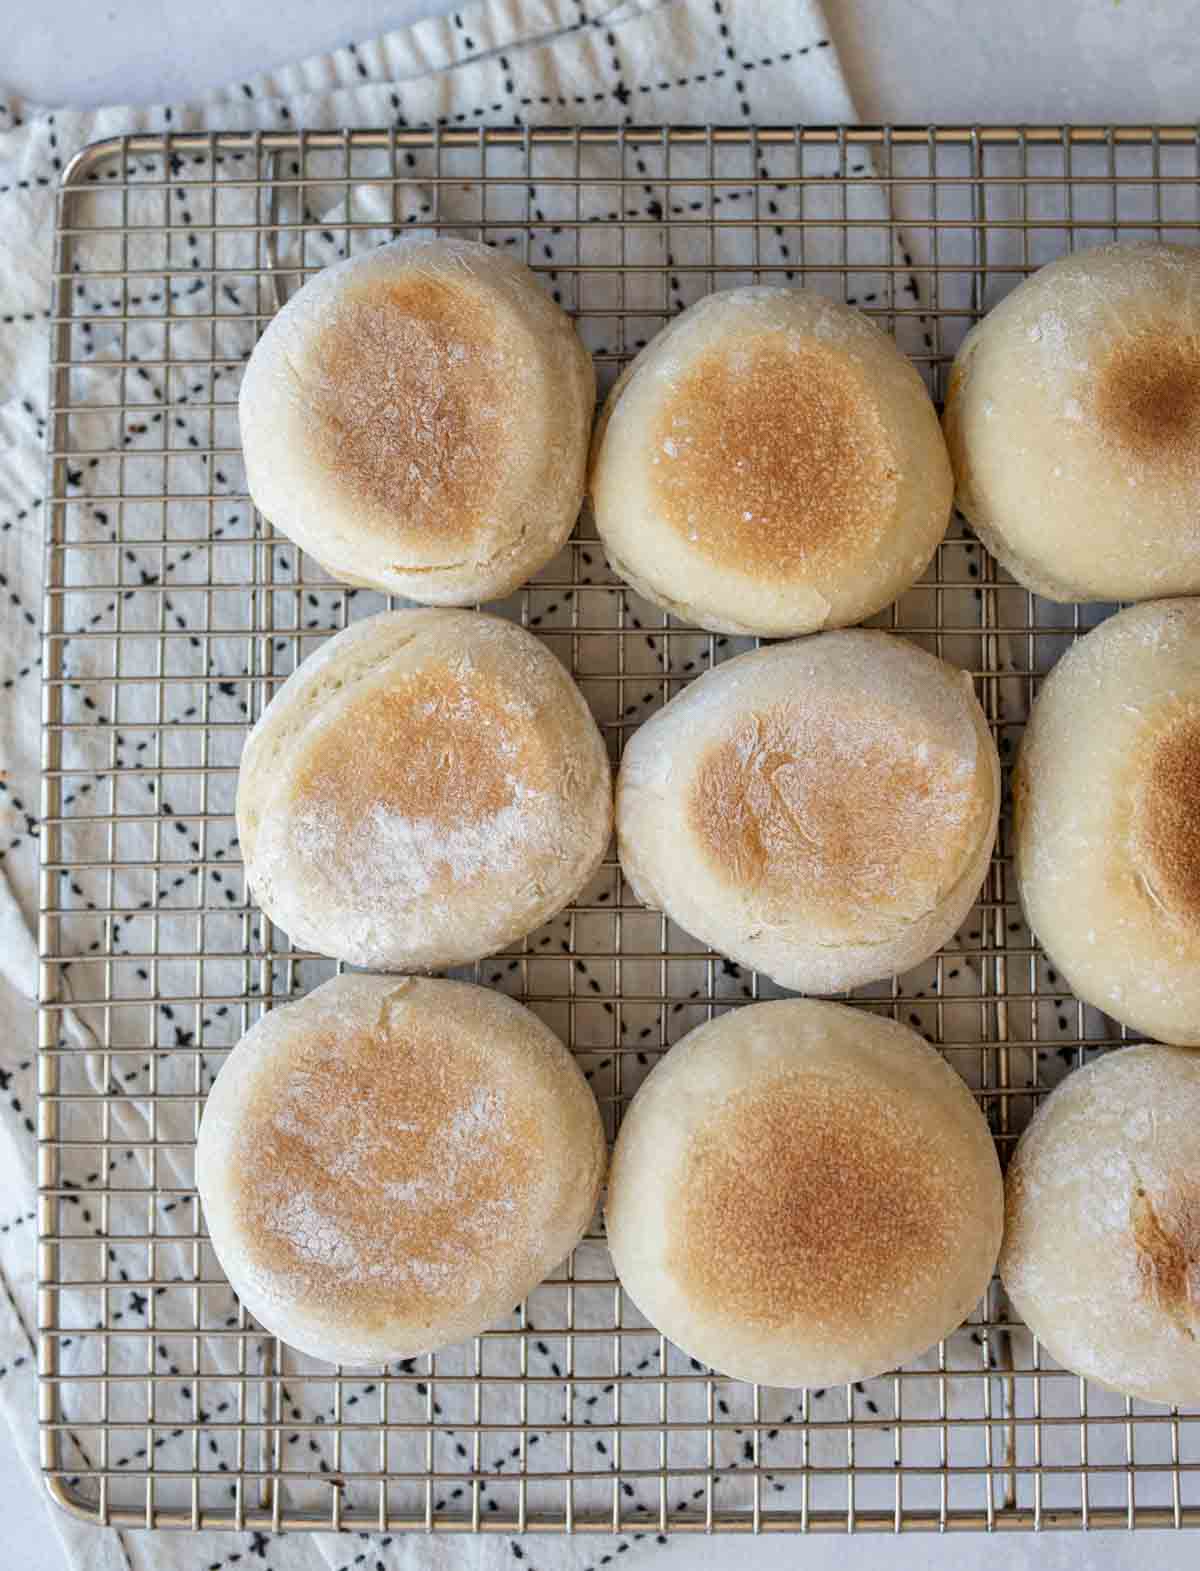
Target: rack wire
x,y
171,614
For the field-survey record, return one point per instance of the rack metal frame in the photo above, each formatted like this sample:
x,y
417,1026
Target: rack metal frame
x,y
925,228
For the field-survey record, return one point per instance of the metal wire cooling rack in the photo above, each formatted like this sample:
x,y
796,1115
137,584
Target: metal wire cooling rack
x,y
171,613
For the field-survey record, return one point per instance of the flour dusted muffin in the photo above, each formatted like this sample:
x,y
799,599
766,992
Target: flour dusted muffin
x,y
424,789
417,419
822,810
770,463
804,1194
389,1165
1101,1252
1106,798
1073,421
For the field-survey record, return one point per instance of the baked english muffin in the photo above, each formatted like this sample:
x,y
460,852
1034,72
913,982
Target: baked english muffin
x,y
426,788
770,463
822,810
1073,422
1106,818
804,1194
417,419
1102,1230
390,1164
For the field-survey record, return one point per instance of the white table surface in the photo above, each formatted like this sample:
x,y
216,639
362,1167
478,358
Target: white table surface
x,y
907,61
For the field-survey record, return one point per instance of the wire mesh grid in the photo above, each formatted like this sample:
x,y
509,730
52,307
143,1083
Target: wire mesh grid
x,y
172,612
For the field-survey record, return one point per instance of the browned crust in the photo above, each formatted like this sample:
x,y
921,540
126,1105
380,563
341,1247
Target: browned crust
x,y
384,1172
437,747
1146,398
771,458
411,403
1167,818
1166,1237
849,815
809,1199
